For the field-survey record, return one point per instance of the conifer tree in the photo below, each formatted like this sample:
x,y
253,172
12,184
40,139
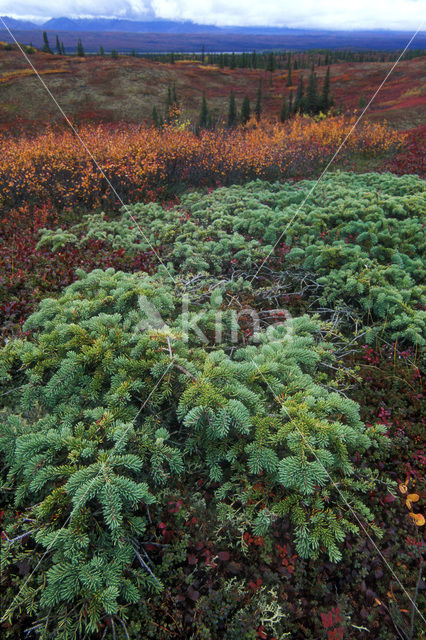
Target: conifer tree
x,y
203,54
258,106
203,120
290,103
289,82
254,60
362,102
101,51
299,98
325,94
312,101
46,47
233,63
155,117
169,101
284,113
245,110
271,65
62,48
114,54
58,46
80,50
175,99
232,111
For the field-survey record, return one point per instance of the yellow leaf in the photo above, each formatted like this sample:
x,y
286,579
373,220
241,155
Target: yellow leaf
x,y
419,520
413,497
377,601
403,488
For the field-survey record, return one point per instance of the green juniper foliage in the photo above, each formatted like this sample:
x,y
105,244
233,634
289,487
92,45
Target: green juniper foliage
x,y
104,414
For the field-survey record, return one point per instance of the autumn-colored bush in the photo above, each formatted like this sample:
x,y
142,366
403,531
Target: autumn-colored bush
x,y
139,161
411,156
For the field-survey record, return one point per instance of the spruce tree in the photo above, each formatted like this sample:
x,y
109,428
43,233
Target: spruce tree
x,y
80,50
232,111
62,48
233,61
203,54
284,113
290,103
175,99
203,120
169,101
155,117
258,107
362,102
88,465
299,98
325,94
58,46
46,47
245,110
312,100
101,51
271,65
254,60
289,82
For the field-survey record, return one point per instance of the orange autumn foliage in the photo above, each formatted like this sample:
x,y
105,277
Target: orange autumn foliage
x,y
142,162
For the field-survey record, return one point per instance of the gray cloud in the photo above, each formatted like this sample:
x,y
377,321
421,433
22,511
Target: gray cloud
x,y
364,14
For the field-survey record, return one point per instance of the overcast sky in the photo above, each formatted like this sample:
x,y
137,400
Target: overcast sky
x,y
340,14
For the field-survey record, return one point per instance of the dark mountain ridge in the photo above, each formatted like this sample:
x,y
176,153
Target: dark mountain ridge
x,y
157,35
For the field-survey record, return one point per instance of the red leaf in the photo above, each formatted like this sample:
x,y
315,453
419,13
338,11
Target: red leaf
x,y
327,619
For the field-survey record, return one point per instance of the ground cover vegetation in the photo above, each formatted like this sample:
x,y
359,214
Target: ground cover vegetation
x,y
46,181
189,486
171,467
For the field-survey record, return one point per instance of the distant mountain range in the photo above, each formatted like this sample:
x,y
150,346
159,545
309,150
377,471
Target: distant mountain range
x,y
172,35
156,25
129,26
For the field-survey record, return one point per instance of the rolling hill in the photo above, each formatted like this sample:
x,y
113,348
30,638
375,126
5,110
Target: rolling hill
x,y
104,89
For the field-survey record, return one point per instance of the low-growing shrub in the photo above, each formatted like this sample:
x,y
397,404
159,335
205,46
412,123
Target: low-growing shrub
x,y
359,238
105,417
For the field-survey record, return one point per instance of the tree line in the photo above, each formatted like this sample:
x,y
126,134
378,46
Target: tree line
x,y
310,100
247,60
